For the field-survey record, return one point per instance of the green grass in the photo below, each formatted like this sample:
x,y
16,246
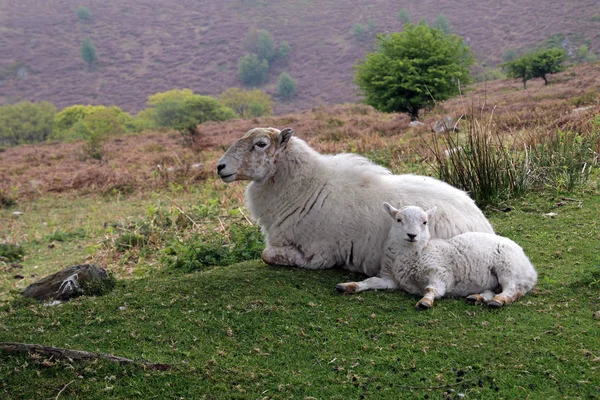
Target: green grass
x,y
253,331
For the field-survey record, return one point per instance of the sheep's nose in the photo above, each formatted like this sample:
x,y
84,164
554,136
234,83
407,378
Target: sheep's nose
x,y
411,236
220,167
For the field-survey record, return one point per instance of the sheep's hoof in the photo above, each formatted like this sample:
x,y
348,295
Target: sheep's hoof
x,y
424,305
475,299
494,304
346,288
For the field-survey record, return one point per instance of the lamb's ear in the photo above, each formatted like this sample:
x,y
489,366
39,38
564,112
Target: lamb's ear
x,y
431,212
390,209
284,136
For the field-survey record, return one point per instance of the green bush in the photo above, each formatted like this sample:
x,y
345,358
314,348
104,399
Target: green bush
x,y
11,252
283,51
260,42
245,242
26,122
96,129
248,103
190,111
403,16
65,120
286,86
442,23
359,32
252,70
88,53
83,13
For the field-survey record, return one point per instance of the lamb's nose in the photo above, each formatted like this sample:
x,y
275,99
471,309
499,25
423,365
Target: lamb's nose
x,y
411,236
220,167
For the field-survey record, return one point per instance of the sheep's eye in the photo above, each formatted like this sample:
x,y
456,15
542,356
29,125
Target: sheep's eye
x,y
399,220
261,144
425,223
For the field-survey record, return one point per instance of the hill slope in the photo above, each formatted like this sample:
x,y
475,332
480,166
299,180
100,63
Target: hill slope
x,y
149,46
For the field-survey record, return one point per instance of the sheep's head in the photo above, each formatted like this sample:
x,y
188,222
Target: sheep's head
x,y
410,224
254,156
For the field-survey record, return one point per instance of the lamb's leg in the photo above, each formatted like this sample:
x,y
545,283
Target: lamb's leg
x,y
373,283
431,292
481,298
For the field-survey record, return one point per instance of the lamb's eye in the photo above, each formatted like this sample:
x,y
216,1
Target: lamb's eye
x,y
260,144
399,220
425,223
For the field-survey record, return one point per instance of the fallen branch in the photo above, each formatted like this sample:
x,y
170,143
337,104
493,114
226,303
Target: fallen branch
x,y
77,355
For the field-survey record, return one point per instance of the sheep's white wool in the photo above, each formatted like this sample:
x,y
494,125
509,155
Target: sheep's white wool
x,y
473,264
319,211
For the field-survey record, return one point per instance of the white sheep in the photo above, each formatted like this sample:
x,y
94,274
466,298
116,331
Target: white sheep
x,y
318,211
473,264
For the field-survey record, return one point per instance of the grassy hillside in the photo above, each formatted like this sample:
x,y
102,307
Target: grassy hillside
x,y
151,46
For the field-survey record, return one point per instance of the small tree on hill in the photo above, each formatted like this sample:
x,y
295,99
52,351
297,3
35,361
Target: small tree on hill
x,y
88,52
403,16
248,103
413,69
252,70
26,122
84,14
441,22
538,64
359,31
283,51
286,86
260,42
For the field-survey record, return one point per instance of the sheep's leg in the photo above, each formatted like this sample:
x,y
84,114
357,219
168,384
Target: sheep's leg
x,y
288,256
373,283
431,292
507,296
481,298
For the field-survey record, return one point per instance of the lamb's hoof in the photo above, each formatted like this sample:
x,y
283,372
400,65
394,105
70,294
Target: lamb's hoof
x,y
475,299
424,305
347,288
494,304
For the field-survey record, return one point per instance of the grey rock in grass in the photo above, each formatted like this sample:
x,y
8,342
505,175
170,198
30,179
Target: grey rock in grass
x,y
85,279
445,124
415,124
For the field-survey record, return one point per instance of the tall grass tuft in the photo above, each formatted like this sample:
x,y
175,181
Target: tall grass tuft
x,y
493,166
480,162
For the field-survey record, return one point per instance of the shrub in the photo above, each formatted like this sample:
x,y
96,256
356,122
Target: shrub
x,y
191,111
403,16
537,64
442,23
26,122
65,120
359,31
96,128
11,252
286,86
84,14
248,103
252,70
260,42
245,242
414,68
509,55
283,51
88,53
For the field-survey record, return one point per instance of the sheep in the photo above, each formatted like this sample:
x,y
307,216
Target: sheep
x,y
316,211
473,264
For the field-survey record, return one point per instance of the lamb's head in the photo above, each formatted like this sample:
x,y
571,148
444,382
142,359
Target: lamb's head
x,y
254,156
410,224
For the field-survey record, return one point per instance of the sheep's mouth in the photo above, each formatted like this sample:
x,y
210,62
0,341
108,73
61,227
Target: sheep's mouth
x,y
410,240
228,177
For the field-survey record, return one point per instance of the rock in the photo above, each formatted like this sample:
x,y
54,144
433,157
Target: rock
x,y
22,73
583,110
70,282
445,124
415,124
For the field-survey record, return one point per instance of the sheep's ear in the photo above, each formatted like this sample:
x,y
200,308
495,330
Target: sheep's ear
x,y
390,209
431,212
284,136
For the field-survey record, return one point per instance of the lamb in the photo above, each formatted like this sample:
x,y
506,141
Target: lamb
x,y
473,264
318,211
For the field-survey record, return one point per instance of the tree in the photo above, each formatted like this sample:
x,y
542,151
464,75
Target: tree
x,y
414,68
286,86
509,55
537,64
248,103
26,122
441,22
519,69
545,62
403,16
359,31
66,119
252,70
283,51
88,52
96,128
83,13
260,42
